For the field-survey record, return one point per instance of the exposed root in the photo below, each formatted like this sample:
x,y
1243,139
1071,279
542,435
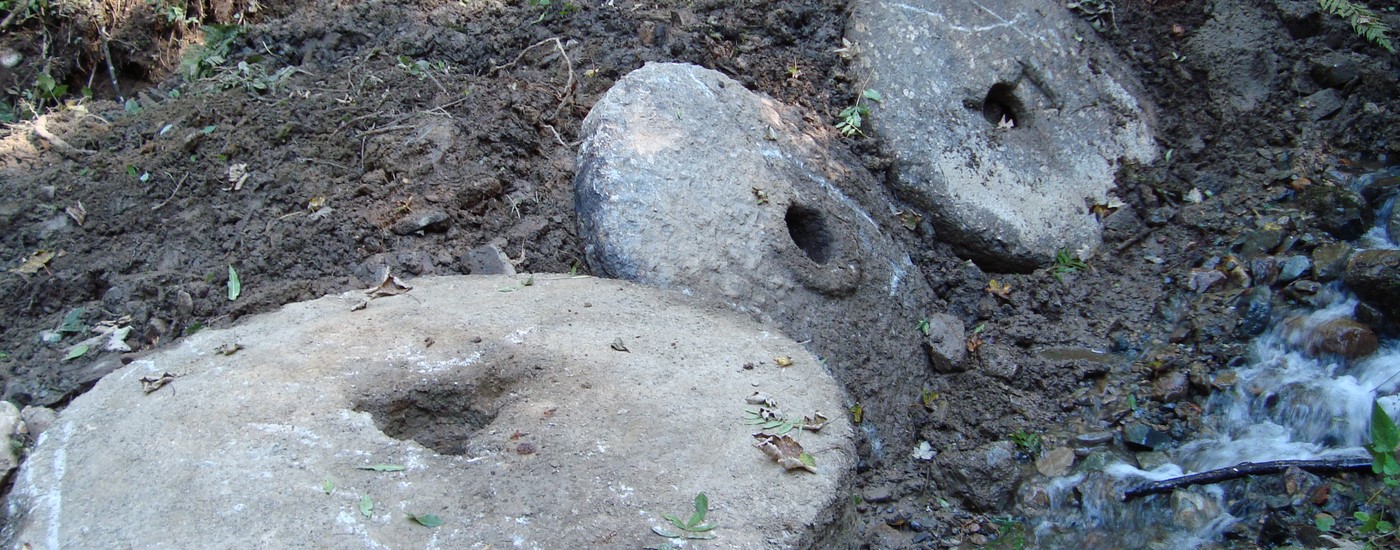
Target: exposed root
x,y
57,142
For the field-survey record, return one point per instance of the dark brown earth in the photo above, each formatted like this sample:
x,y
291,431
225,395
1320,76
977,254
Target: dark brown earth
x,y
353,120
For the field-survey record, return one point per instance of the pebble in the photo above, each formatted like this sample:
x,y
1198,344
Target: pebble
x,y
1293,267
1093,439
1055,463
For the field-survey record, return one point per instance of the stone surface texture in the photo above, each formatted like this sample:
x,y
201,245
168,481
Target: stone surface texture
x,y
1004,126
514,418
688,181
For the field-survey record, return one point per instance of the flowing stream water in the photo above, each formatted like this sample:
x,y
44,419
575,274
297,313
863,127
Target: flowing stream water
x,y
1284,404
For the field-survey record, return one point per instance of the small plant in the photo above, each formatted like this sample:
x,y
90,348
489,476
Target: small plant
x,y
692,528
1099,13
202,61
1028,442
1364,21
421,68
547,9
1066,263
852,117
1010,534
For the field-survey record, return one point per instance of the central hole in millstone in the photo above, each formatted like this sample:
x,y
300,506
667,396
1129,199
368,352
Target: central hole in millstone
x,y
808,229
440,415
1002,107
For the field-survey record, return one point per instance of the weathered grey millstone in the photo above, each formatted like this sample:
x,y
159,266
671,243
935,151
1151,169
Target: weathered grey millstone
x,y
688,181
1006,121
517,422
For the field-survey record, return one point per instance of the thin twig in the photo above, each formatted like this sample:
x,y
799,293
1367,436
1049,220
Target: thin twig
x,y
385,129
172,193
326,162
568,89
111,71
57,142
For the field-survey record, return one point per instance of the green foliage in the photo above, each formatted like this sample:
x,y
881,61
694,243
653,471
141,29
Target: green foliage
x,y
1066,263
235,286
24,10
549,8
1010,534
696,523
426,520
1364,21
174,12
852,117
1385,437
202,61
1028,442
421,68
1099,13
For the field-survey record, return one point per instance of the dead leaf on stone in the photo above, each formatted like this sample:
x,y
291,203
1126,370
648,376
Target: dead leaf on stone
x,y
783,361
389,286
815,423
619,346
153,383
910,220
228,349
36,261
760,196
77,212
315,203
237,175
363,304
999,289
760,398
786,451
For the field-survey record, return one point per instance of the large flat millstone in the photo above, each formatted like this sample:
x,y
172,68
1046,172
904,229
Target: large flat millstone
x,y
515,417
1006,119
687,180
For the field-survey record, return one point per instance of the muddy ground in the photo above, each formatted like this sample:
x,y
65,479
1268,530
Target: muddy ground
x,y
323,141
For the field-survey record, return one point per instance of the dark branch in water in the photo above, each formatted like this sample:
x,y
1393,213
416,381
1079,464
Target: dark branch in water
x,y
1245,469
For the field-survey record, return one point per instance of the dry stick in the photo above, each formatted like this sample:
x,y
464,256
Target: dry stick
x,y
1244,469
19,6
172,193
568,85
57,142
111,71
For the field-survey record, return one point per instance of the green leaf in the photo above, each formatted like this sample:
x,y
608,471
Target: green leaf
x,y
808,460
1385,436
73,321
235,287
328,486
873,95
1324,522
702,507
426,520
207,129
366,506
384,467
76,352
675,521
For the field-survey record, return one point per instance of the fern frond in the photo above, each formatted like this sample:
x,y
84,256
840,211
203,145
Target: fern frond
x,y
1364,22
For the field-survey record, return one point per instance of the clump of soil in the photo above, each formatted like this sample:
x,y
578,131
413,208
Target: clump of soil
x,y
333,142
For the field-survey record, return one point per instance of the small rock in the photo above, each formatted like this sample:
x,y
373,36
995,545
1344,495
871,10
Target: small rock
x,y
946,344
37,419
1302,289
879,495
1293,267
1191,511
50,337
1334,70
1340,211
1374,275
1201,280
9,422
425,220
1264,269
983,478
1055,463
1255,309
1171,387
1141,437
1322,104
488,259
1330,260
1344,337
1093,439
1151,460
1261,241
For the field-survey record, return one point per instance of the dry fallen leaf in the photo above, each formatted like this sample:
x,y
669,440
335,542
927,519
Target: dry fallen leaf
x,y
760,398
153,383
786,451
618,345
389,286
999,289
36,261
784,361
77,212
228,349
237,175
815,422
